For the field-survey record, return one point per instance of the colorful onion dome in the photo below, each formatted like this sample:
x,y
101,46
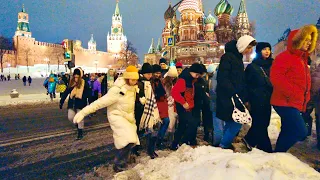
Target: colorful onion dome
x,y
220,8
169,12
223,7
189,4
229,9
210,19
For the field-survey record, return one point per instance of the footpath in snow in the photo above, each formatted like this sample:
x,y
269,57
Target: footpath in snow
x,y
33,94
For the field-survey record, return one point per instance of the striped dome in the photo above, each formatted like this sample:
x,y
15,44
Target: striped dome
x,y
189,4
223,7
210,19
229,9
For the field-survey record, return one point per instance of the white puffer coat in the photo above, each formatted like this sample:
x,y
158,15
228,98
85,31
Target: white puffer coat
x,y
119,101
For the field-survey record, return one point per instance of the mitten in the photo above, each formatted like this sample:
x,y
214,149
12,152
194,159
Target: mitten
x,y
142,100
78,118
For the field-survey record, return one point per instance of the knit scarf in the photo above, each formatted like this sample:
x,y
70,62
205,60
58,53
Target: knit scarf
x,y
77,92
150,116
159,90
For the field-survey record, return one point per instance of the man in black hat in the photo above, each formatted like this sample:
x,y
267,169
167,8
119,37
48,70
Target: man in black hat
x,y
164,67
146,72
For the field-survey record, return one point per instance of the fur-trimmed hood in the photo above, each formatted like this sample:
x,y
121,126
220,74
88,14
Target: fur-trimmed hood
x,y
297,37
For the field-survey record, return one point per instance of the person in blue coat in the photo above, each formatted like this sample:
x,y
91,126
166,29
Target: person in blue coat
x,y
52,83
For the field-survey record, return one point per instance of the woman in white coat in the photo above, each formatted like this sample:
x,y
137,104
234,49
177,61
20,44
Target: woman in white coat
x,y
120,101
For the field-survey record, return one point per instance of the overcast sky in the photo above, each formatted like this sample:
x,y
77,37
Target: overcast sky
x,y
55,20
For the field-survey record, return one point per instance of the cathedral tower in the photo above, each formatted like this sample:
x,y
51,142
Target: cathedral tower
x,y
166,32
223,11
23,28
210,21
92,45
191,22
116,40
242,22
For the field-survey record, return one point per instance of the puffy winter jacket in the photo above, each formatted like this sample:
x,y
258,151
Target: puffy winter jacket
x,y
290,75
120,101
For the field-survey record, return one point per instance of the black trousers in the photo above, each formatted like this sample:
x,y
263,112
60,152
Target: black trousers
x,y
187,128
258,133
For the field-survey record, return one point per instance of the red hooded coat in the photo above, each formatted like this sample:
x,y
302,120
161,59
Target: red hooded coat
x,y
290,75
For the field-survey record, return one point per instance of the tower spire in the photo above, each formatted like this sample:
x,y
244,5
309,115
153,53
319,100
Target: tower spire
x,y
242,21
151,48
117,10
23,9
159,48
242,7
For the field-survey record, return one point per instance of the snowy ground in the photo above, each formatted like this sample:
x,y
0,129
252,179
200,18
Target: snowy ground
x,y
34,94
35,88
207,162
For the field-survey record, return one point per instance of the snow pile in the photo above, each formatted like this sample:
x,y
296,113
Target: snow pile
x,y
208,162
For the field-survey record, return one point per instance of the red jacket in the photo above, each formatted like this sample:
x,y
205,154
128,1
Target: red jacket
x,y
162,101
183,90
290,76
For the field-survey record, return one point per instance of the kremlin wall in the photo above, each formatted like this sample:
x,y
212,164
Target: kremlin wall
x,y
40,58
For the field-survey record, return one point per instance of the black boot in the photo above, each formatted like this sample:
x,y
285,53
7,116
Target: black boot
x,y
154,140
135,151
150,147
80,134
118,168
160,144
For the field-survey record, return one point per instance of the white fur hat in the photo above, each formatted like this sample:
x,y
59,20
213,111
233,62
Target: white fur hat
x,y
243,42
172,72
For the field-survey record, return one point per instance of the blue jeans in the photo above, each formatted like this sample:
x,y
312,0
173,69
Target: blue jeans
x,y
293,128
231,129
163,128
217,129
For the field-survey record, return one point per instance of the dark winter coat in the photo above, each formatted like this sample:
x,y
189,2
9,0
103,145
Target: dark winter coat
x,y
29,79
139,108
65,80
290,75
230,81
183,90
258,82
76,103
24,79
104,83
200,96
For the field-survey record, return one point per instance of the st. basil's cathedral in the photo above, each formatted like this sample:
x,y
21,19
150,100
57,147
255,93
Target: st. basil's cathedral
x,y
199,36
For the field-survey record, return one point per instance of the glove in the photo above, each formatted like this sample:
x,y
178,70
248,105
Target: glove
x,y
142,100
78,118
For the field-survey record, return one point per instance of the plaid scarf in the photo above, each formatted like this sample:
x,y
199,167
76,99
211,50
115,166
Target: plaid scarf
x,y
150,116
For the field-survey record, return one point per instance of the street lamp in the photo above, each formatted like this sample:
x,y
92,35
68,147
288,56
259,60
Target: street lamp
x,y
96,63
47,60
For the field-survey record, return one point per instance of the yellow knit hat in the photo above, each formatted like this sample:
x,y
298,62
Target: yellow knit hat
x,y
131,73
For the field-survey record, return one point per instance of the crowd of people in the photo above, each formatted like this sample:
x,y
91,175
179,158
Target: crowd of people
x,y
166,105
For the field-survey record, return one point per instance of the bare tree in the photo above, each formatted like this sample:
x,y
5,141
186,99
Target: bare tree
x,y
5,44
253,28
128,55
27,51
